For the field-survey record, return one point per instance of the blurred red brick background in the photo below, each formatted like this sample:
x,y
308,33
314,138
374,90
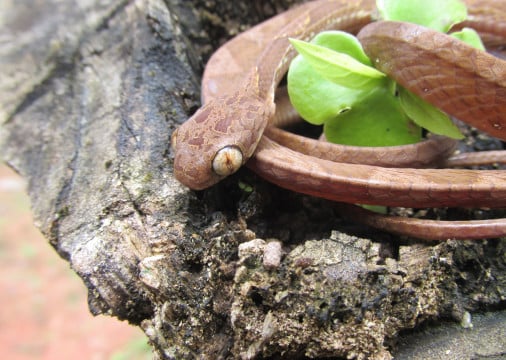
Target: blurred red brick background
x,y
43,308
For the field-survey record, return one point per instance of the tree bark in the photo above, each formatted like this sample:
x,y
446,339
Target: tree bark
x,y
90,95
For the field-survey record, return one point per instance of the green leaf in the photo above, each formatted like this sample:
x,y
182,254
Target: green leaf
x,y
428,116
337,67
247,188
376,208
342,42
354,116
315,98
470,37
439,15
375,120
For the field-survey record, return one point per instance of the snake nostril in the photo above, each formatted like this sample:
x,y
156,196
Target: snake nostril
x,y
227,160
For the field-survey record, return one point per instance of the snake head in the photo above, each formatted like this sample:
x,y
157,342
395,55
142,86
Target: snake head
x,y
218,139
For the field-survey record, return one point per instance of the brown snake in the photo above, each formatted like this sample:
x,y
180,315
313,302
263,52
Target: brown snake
x,y
229,129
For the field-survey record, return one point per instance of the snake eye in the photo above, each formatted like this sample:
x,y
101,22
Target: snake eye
x,y
227,160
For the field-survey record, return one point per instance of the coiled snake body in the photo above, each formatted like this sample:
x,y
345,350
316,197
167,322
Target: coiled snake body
x,y
237,121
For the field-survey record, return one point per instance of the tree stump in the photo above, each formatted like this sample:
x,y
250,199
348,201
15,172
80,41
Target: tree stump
x,y
90,94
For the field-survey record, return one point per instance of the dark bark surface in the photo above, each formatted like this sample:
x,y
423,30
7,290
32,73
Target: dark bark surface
x,y
89,97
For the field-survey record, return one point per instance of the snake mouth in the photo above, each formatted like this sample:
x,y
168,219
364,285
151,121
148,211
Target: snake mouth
x,y
227,160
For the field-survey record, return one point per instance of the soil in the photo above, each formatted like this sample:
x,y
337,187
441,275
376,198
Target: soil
x,y
44,312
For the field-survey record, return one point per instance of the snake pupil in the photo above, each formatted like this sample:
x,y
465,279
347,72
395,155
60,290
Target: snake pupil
x,y
227,160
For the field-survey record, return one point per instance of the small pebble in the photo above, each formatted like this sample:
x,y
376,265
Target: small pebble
x,y
466,321
272,255
253,247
